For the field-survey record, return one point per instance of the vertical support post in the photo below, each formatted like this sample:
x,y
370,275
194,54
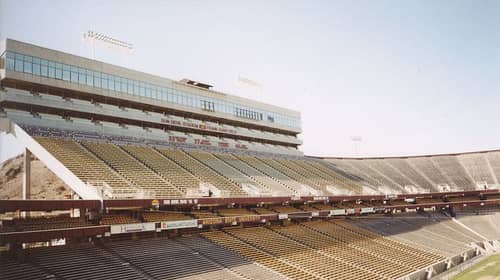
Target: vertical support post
x,y
27,175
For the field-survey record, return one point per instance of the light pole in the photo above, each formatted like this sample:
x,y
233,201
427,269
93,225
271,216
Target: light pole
x,y
95,37
356,140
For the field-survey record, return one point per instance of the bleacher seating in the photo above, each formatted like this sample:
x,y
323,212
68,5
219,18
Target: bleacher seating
x,y
454,171
228,212
359,248
169,259
261,256
285,209
85,165
430,170
263,211
276,187
406,169
137,169
85,262
43,223
271,172
437,233
477,167
11,269
132,170
486,224
363,262
204,173
225,170
169,170
160,216
228,259
284,169
343,185
114,219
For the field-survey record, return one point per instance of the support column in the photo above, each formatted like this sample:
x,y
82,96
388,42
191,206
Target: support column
x,y
27,175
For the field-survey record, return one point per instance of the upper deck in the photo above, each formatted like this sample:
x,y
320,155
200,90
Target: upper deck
x,y
27,65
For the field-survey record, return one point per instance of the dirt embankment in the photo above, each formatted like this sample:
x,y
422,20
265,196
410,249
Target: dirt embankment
x,y
44,183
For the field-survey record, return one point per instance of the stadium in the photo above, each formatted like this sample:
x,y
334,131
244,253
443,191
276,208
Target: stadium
x,y
170,179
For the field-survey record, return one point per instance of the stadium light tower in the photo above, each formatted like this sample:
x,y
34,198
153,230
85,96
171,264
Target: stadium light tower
x,y
356,140
99,38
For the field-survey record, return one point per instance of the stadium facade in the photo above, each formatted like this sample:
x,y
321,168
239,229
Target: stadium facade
x,y
148,156
51,93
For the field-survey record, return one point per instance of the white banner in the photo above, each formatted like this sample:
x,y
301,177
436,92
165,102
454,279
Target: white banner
x,y
367,210
179,224
282,216
125,228
337,212
315,213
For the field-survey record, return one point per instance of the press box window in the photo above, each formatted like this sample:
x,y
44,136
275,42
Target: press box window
x,y
208,105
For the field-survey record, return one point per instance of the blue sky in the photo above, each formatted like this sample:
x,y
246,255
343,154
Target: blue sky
x,y
410,77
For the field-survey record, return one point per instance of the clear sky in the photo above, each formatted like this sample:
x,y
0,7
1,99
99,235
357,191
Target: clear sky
x,y
410,77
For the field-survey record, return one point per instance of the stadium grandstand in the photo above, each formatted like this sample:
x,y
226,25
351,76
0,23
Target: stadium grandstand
x,y
173,180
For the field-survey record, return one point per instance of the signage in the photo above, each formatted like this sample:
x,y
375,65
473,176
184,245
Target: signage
x,y
179,224
282,216
127,228
337,212
179,201
367,210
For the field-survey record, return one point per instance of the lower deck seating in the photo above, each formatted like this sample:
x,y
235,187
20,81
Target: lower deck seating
x,y
11,269
285,209
486,224
87,262
229,259
318,249
203,214
263,211
235,212
435,234
160,216
43,223
114,219
169,259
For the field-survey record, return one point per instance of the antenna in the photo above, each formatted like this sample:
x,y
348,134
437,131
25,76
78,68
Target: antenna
x,y
250,87
93,37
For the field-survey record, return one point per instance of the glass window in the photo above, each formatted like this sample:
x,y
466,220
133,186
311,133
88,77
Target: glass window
x,y
58,67
36,68
66,72
90,78
111,82
28,67
44,70
10,64
11,61
136,88
81,76
104,81
130,86
74,74
97,79
52,70
19,63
